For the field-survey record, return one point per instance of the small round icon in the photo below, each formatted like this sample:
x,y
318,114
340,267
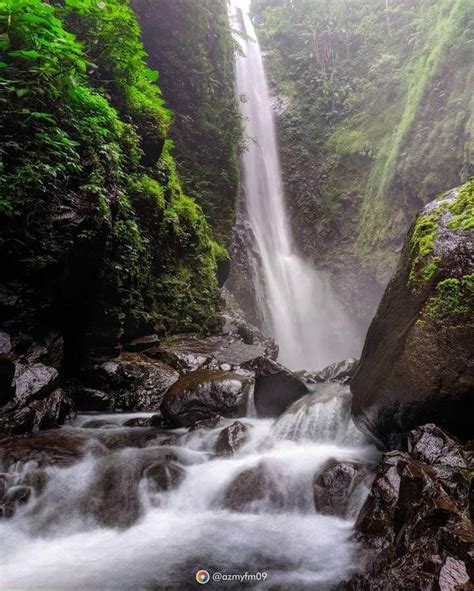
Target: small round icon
x,y
202,577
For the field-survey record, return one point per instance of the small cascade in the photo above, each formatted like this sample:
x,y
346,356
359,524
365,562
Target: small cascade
x,y
300,308
323,416
147,508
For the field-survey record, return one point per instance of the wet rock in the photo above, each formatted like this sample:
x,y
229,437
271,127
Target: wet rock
x,y
14,496
211,423
113,498
60,447
342,372
203,394
33,381
416,366
191,352
231,439
165,475
46,413
138,422
257,488
276,388
143,343
334,485
133,381
416,522
43,414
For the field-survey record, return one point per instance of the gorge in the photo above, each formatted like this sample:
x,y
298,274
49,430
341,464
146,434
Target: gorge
x,y
188,395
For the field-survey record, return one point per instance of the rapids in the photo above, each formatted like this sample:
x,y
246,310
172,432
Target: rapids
x,y
58,541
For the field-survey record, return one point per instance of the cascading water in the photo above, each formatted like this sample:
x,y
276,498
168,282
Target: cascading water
x,y
299,307
101,524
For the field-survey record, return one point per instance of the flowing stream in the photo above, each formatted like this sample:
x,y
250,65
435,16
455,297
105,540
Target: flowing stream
x,y
300,308
101,524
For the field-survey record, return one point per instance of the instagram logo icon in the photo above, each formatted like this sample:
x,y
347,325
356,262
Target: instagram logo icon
x,y
202,577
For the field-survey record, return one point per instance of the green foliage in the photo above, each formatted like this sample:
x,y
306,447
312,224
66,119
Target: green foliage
x,y
190,42
83,172
383,89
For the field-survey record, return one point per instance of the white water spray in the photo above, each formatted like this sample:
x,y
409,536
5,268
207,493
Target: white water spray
x,y
297,302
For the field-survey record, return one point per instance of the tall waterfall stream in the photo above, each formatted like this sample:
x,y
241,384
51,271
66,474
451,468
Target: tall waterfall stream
x,y
60,540
299,306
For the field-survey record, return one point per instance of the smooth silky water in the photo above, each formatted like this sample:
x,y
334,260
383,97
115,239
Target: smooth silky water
x,y
54,541
298,305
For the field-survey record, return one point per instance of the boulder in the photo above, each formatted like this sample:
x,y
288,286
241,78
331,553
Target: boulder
x,y
334,485
415,523
260,487
190,352
276,388
46,413
131,381
60,447
203,394
416,365
143,343
165,475
33,381
231,439
342,371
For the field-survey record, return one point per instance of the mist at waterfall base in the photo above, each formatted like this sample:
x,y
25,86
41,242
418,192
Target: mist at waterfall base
x,y
53,542
297,303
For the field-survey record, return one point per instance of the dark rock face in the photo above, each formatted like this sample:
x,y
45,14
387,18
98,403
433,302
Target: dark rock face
x,y
416,366
416,521
29,377
334,485
131,381
203,394
276,388
231,439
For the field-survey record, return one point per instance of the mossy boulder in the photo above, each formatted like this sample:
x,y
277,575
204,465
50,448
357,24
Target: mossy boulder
x,y
416,365
203,394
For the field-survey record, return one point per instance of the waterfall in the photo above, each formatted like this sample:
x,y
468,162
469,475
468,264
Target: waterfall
x,y
297,303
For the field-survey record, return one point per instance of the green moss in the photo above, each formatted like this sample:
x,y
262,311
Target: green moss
x,y
453,298
426,228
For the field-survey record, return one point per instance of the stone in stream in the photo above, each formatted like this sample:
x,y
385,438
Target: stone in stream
x,y
61,447
165,475
416,365
231,439
416,523
262,486
203,394
341,371
276,387
334,485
